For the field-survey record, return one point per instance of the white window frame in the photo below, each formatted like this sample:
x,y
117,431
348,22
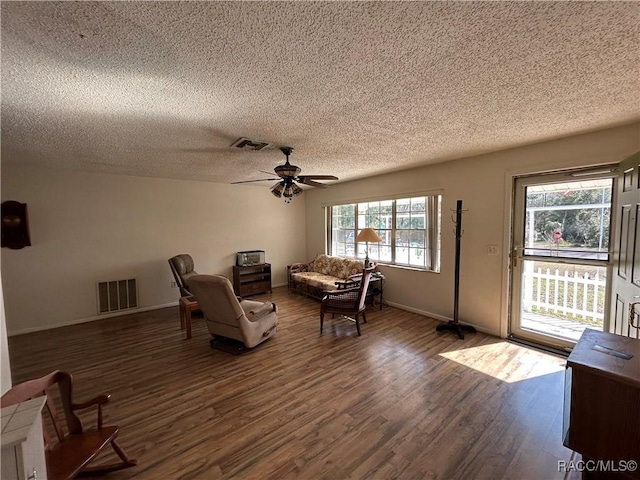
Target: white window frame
x,y
344,244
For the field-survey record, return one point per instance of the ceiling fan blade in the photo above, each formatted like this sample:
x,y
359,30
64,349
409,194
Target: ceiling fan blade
x,y
317,177
311,183
249,181
268,173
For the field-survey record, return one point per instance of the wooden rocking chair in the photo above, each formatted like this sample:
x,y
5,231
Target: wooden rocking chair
x,y
69,455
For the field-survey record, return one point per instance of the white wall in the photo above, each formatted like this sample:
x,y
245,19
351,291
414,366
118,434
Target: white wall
x,y
95,227
88,227
483,184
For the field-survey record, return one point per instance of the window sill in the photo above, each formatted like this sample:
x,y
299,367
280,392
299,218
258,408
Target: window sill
x,y
405,267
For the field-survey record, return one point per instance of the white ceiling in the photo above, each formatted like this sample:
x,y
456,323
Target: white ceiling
x,y
163,89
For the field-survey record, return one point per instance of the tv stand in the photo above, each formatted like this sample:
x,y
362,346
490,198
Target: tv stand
x,y
252,279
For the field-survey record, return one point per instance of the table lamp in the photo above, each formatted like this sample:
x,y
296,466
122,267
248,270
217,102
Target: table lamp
x,y
367,235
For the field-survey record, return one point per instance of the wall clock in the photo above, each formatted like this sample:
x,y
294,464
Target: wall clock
x,y
15,225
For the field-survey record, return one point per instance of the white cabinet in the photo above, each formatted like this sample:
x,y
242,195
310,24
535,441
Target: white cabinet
x,y
22,442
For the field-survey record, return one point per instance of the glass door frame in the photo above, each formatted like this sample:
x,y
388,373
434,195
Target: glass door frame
x,y
518,256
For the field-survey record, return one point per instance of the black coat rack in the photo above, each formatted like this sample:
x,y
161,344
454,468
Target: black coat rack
x,y
454,325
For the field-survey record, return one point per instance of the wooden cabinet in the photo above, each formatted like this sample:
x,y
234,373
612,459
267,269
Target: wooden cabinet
x,y
251,280
602,395
23,456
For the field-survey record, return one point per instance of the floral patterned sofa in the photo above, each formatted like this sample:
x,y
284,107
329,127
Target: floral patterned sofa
x,y
321,274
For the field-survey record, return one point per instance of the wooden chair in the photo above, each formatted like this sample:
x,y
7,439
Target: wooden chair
x,y
349,302
69,453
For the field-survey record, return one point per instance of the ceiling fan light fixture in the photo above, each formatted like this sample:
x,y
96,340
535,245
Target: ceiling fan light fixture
x,y
290,191
277,189
295,190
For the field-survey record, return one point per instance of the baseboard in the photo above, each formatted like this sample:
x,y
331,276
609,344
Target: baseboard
x,y
102,317
424,313
440,318
91,319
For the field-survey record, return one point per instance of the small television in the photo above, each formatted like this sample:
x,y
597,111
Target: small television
x,y
249,257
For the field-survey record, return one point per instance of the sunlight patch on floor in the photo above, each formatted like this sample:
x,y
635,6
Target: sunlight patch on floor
x,y
498,360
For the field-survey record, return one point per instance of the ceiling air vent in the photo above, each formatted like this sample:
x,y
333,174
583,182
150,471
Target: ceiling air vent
x,y
247,144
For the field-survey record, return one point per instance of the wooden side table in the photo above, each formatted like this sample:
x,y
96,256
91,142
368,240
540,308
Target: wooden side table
x,y
187,305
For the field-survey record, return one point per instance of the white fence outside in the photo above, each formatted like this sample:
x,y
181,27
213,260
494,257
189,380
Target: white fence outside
x,y
577,296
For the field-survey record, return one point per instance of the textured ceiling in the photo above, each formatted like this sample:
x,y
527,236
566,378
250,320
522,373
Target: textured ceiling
x,y
163,89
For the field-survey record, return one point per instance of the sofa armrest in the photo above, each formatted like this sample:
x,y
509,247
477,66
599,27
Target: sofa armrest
x,y
348,283
341,291
300,267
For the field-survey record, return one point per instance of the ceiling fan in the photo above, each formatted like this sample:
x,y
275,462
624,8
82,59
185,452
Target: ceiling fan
x,y
289,175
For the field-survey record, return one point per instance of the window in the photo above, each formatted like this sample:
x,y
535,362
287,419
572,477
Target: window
x,y
409,229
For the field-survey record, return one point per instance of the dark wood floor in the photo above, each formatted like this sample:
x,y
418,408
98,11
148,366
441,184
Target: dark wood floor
x,y
401,401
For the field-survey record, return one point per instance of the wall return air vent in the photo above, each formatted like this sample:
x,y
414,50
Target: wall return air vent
x,y
117,295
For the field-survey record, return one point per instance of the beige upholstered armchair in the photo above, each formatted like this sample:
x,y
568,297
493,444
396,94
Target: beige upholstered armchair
x,y
228,316
182,268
